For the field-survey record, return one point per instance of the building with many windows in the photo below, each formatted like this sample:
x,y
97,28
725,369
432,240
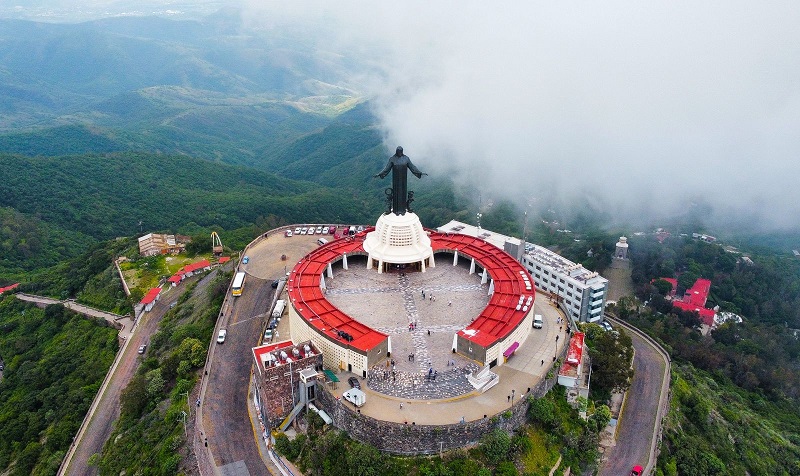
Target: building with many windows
x,y
581,292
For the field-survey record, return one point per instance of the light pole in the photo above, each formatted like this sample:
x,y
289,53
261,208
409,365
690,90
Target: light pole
x,y
555,352
479,215
512,396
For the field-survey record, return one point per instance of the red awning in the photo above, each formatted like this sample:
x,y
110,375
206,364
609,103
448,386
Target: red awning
x,y
511,350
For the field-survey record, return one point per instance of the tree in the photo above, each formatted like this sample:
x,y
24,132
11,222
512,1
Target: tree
x,y
663,287
600,418
496,445
612,354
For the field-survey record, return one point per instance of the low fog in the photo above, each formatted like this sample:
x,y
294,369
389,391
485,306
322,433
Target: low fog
x,y
640,108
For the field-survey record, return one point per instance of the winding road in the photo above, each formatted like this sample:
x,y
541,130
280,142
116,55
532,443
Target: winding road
x,y
640,422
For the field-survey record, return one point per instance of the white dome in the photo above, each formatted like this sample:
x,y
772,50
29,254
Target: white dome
x,y
398,239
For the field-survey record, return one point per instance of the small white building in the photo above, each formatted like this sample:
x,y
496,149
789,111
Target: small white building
x,y
622,248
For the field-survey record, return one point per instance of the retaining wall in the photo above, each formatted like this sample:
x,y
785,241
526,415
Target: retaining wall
x,y
411,438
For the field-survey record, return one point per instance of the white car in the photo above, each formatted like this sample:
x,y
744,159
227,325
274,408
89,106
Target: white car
x,y
311,230
319,230
303,231
605,325
297,230
221,336
288,233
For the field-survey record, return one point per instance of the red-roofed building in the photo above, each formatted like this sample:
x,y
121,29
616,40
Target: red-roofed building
x,y
574,372
224,259
175,279
190,269
350,345
694,299
9,288
278,369
149,299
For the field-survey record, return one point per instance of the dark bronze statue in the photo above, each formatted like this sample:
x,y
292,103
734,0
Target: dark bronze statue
x,y
399,164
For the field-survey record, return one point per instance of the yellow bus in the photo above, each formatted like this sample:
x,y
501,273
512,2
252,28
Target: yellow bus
x,y
238,284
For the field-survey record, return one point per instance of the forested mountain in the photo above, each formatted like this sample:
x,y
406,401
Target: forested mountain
x,y
203,88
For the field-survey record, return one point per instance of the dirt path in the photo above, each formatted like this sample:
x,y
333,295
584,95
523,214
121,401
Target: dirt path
x,y
619,279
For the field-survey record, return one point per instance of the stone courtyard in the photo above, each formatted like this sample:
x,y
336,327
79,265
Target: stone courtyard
x,y
422,365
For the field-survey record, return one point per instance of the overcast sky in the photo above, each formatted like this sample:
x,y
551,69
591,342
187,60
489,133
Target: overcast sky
x,y
638,105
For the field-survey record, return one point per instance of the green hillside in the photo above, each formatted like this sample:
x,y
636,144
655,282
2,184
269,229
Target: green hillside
x,y
27,242
55,362
106,196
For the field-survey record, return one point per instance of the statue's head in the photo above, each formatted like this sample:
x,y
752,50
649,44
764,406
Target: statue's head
x,y
399,151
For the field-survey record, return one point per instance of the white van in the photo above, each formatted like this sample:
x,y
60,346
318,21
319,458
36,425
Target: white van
x,y
322,241
280,305
355,396
537,321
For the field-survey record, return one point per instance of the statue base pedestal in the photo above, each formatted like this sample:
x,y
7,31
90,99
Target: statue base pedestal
x,y
398,240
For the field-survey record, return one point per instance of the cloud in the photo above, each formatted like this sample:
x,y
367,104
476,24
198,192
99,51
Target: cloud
x,y
639,106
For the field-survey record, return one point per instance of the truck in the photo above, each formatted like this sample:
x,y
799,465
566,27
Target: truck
x,y
355,396
280,305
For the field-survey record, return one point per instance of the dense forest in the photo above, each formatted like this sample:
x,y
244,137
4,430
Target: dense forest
x,y
55,361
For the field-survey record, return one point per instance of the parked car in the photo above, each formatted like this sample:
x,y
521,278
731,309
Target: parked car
x,y
297,230
303,231
605,325
221,336
245,260
311,230
319,230
275,284
359,229
287,233
331,230
637,471
142,348
354,383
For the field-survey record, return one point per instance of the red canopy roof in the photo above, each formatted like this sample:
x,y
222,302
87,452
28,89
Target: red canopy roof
x,y
574,355
495,322
190,268
8,288
175,278
224,259
150,296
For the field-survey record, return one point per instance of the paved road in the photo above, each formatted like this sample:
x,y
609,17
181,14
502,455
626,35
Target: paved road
x,y
639,418
225,416
107,412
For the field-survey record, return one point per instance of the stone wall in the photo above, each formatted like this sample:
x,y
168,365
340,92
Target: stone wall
x,y
411,438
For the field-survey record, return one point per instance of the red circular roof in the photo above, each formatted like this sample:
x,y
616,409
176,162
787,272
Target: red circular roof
x,y
503,313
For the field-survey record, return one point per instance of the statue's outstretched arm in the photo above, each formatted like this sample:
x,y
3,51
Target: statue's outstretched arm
x,y
414,170
383,173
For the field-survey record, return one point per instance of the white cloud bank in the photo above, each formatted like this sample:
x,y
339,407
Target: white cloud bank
x,y
638,105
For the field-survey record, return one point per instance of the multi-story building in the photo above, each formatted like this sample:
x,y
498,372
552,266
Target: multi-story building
x,y
153,244
582,292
